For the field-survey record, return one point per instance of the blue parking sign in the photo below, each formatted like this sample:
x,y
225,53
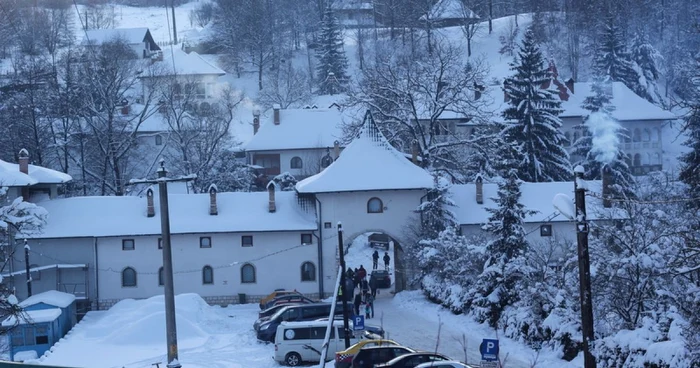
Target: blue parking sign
x,y
489,350
358,323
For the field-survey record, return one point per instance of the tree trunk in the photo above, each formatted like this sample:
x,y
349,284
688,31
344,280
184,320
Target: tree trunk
x,y
260,71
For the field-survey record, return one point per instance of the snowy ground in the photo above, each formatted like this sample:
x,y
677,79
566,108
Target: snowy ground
x,y
132,333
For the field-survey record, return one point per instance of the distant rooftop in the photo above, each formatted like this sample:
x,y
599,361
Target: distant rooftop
x,y
299,129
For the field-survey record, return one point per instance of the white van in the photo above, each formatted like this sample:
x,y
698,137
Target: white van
x,y
297,342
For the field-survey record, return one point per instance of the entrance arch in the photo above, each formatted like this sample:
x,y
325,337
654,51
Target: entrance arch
x,y
362,239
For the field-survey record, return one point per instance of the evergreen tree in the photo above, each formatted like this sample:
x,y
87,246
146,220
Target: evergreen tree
x,y
435,212
690,171
501,282
532,124
600,143
331,55
611,59
647,58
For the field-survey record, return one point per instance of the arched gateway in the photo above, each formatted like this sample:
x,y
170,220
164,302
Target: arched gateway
x,y
370,187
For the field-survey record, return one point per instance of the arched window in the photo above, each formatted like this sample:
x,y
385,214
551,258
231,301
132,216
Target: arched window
x,y
36,275
657,158
308,272
568,142
637,159
647,159
129,277
647,135
161,277
207,275
375,205
637,137
658,134
247,274
296,163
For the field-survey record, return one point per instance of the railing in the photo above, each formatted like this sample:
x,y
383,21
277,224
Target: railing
x,y
77,289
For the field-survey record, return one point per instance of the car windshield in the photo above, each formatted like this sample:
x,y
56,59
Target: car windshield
x,y
279,313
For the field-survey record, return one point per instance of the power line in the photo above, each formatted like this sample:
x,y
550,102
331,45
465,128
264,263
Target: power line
x,y
634,201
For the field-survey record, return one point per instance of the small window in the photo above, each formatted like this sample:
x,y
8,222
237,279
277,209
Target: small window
x,y
546,230
207,275
205,242
129,277
296,163
306,239
308,272
41,336
17,337
247,274
161,277
160,243
375,205
128,244
159,140
36,275
247,241
29,335
327,225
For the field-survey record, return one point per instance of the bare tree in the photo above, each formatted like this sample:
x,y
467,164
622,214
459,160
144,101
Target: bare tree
x,y
471,26
289,87
100,14
202,14
412,97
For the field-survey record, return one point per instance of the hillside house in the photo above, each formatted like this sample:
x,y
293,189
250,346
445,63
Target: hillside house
x,y
449,13
354,13
139,39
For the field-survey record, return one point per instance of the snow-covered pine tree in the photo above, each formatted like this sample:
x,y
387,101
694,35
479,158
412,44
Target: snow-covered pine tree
x,y
435,212
501,282
648,59
612,61
690,170
532,119
331,55
600,142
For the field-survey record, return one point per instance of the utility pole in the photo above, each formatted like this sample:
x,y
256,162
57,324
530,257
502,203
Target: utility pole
x,y
26,262
168,284
174,27
341,251
584,268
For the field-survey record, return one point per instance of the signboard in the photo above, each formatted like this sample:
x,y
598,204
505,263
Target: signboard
x,y
489,350
489,364
358,323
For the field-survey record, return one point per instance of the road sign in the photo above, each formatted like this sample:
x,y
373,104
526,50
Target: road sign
x,y
489,350
358,323
489,364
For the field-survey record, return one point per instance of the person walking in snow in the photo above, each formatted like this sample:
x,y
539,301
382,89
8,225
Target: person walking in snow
x,y
369,307
365,288
350,274
386,260
373,286
375,259
357,302
362,272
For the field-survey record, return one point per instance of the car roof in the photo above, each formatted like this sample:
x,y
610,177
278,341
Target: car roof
x,y
428,364
385,347
418,353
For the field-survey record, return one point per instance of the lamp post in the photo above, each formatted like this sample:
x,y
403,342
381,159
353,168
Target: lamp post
x,y
341,251
168,284
584,268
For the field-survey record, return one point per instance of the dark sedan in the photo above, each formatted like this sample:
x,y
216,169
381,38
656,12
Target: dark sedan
x,y
381,278
412,360
289,299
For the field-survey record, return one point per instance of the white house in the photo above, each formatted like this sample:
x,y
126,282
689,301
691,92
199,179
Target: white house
x,y
139,39
298,141
30,181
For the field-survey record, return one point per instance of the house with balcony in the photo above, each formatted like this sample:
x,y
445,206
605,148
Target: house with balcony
x,y
139,39
301,142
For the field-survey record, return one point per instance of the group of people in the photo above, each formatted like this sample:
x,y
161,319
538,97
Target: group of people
x,y
364,299
375,260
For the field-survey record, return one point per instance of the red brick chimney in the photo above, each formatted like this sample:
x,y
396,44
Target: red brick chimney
x,y
24,161
276,114
256,121
213,210
414,152
271,191
570,85
150,208
479,189
126,109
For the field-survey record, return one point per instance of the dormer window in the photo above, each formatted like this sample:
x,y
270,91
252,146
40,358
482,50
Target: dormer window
x,y
375,205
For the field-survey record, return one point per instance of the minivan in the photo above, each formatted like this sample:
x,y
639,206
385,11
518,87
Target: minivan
x,y
298,342
266,330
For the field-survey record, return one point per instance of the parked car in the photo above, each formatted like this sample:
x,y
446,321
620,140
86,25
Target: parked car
x,y
379,240
371,329
266,330
445,364
289,299
274,294
343,358
298,342
382,278
412,360
272,310
368,357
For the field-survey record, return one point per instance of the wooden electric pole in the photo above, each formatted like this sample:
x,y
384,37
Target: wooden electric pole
x,y
174,26
584,268
27,268
344,290
168,283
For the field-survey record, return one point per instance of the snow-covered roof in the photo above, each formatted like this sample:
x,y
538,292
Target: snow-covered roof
x,y
189,213
33,316
51,297
450,9
129,35
352,5
299,129
10,175
628,105
184,64
369,162
534,196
